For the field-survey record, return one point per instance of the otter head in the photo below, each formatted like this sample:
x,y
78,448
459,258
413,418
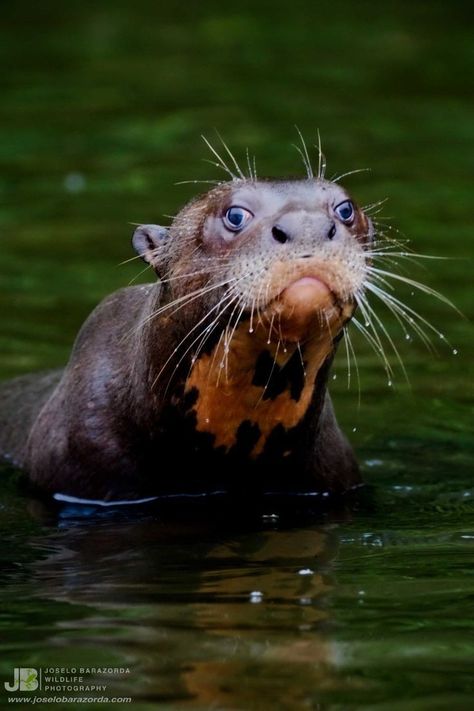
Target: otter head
x,y
289,255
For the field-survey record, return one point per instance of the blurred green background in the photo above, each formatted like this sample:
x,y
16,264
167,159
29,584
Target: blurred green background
x,y
102,108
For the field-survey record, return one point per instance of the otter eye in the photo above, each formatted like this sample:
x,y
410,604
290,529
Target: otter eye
x,y
345,211
236,218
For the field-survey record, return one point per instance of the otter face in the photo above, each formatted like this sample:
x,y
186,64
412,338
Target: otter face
x,y
290,252
293,251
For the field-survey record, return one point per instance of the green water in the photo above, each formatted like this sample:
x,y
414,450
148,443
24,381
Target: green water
x,y
366,607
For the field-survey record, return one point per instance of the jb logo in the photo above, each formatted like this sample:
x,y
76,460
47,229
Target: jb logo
x,y
24,679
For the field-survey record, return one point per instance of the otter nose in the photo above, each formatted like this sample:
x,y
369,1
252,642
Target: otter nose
x,y
279,234
303,227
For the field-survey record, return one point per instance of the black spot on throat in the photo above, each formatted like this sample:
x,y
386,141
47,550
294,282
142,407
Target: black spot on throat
x,y
276,379
190,398
247,437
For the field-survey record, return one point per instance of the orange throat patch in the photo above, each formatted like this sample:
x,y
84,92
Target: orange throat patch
x,y
256,381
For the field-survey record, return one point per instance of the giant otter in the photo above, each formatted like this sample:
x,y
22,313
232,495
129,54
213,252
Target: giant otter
x,y
214,377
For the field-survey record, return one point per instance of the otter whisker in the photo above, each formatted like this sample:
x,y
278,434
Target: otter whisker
x,y
204,271
232,157
348,360
396,315
183,301
227,345
373,205
375,344
412,317
403,319
218,165
210,329
264,389
336,178
347,336
304,155
184,339
392,259
140,273
132,259
202,337
405,255
298,346
225,302
251,316
368,312
198,182
252,166
321,159
214,355
221,162
416,285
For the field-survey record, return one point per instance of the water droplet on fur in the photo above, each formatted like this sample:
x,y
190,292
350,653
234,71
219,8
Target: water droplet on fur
x,y
455,351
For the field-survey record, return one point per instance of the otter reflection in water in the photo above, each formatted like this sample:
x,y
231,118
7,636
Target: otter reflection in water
x,y
202,608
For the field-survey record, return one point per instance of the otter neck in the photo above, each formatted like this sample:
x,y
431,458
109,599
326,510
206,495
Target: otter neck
x,y
251,380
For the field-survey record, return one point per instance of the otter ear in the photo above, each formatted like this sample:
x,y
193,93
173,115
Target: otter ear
x,y
149,242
